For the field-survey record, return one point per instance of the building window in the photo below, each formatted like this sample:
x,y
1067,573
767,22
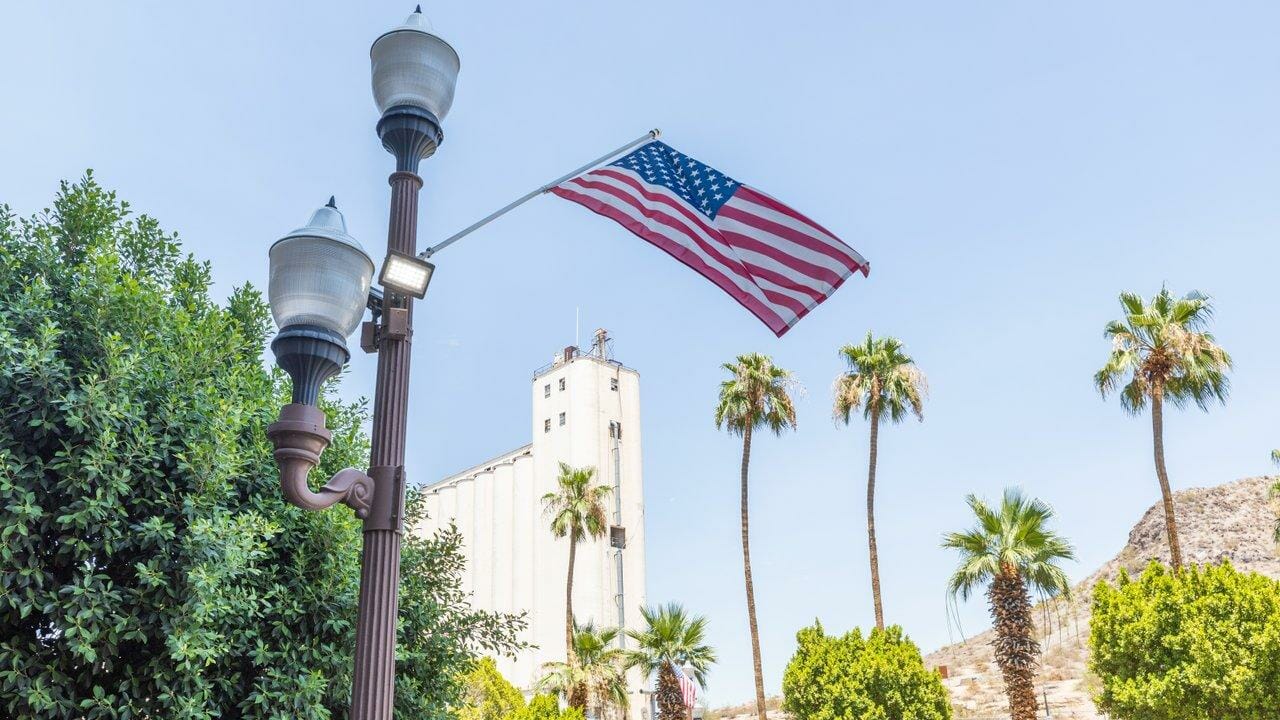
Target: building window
x,y
613,384
561,420
546,425
546,390
561,384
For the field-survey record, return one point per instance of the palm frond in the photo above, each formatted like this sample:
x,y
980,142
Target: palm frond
x,y
1014,536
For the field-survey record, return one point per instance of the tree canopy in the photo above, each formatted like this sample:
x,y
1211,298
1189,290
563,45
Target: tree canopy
x,y
1200,643
149,566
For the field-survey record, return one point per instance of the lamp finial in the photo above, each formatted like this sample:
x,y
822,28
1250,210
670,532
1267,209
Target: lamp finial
x,y
332,203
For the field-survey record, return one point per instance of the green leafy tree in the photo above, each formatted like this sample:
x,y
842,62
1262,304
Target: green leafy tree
x,y
671,638
149,567
547,707
488,695
1163,351
595,675
1010,550
885,382
1200,643
880,677
577,512
756,395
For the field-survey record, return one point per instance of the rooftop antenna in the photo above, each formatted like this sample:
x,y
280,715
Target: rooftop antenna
x,y
577,318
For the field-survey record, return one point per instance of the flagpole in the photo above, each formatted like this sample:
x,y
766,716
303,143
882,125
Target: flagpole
x,y
651,135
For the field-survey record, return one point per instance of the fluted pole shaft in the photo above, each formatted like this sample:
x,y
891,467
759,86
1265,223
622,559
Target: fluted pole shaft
x,y
373,691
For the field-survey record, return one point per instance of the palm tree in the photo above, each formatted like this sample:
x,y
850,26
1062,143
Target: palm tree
x,y
1011,550
577,512
885,382
671,638
755,396
1163,351
595,673
1275,493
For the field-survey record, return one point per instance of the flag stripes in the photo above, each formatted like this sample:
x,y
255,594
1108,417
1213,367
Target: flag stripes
x,y
775,262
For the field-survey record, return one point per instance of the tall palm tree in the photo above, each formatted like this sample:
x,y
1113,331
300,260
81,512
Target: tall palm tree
x,y
756,395
577,512
595,674
1011,551
885,382
671,638
1165,353
1275,493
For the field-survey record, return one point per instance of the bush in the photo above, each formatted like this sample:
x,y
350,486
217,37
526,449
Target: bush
x,y
881,677
487,695
149,567
1202,643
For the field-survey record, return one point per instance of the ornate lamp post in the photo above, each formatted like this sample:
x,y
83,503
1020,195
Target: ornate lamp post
x,y
322,288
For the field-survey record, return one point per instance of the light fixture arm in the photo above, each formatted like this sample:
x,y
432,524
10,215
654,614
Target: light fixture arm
x,y
651,135
299,437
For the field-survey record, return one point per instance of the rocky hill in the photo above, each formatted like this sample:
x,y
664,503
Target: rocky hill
x,y
1232,521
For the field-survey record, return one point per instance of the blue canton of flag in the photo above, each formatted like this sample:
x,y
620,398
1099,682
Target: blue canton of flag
x,y
700,185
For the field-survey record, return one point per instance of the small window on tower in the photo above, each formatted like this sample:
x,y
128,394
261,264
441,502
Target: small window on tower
x,y
546,390
613,384
561,420
546,425
562,384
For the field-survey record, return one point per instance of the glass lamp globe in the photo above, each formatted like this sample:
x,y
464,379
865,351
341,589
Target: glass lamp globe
x,y
414,66
320,276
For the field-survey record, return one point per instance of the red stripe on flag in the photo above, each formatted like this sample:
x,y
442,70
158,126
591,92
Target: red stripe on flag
x,y
750,193
806,241
679,252
747,274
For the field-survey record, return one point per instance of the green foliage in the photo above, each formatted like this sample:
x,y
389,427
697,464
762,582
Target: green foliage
x,y
577,507
671,636
1200,643
1015,536
880,677
148,564
596,668
758,394
1162,348
487,695
881,379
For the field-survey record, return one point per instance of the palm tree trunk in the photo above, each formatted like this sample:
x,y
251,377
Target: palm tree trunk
x,y
670,701
746,572
568,601
871,515
1015,648
1166,494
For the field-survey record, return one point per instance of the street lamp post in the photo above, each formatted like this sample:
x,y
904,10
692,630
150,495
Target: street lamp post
x,y
414,74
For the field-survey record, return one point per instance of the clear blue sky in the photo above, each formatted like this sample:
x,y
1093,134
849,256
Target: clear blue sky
x,y
1007,167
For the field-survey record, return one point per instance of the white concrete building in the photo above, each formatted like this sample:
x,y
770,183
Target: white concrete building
x,y
586,412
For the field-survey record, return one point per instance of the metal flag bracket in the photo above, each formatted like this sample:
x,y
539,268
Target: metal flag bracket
x,y
653,134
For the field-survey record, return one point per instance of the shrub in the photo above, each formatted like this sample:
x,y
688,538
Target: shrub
x,y
881,677
1200,643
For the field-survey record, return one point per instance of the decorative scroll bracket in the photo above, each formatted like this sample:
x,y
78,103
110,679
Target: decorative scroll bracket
x,y
300,436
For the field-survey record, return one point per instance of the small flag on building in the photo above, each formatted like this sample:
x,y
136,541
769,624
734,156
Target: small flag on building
x,y
688,690
776,262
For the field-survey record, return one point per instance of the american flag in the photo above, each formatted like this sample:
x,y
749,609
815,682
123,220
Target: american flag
x,y
688,690
776,262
